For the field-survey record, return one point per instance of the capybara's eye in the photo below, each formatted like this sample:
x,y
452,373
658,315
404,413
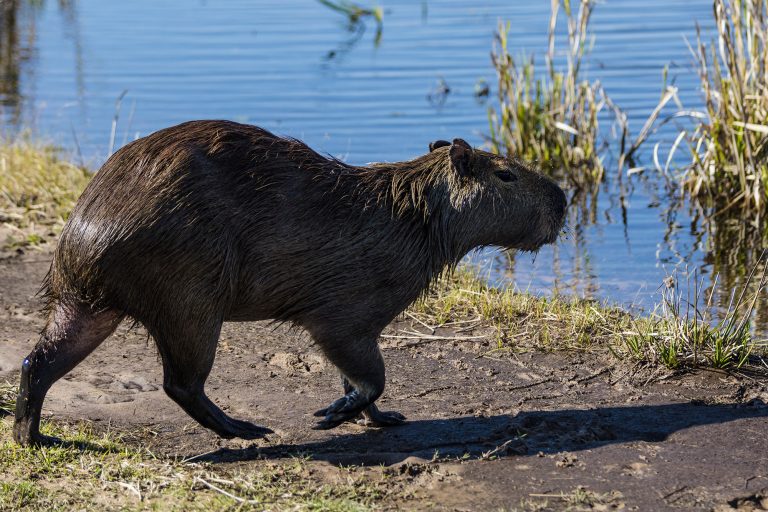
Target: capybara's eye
x,y
506,176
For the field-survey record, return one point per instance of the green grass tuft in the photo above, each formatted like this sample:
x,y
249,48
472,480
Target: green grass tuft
x,y
681,333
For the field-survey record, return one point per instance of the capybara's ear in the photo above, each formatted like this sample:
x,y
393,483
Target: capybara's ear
x,y
438,144
461,156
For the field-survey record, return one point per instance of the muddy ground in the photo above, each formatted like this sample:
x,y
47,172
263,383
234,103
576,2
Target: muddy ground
x,y
486,430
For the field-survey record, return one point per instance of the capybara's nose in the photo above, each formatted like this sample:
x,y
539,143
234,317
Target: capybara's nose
x,y
557,198
562,201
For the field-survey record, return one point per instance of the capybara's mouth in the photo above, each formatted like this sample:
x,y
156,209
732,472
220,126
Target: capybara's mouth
x,y
552,234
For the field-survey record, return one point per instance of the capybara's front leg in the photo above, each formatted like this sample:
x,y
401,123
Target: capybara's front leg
x,y
362,366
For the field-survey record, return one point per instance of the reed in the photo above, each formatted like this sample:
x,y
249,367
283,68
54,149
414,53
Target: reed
x,y
729,140
356,14
551,118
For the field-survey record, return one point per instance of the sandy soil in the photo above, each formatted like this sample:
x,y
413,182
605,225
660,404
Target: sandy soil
x,y
485,430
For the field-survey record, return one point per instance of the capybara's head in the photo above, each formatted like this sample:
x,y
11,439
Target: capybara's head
x,y
502,200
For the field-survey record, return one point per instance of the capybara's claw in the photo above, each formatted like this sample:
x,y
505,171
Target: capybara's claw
x,y
344,409
334,420
27,433
352,401
245,430
373,417
36,439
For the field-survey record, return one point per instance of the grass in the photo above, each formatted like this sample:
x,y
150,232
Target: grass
x,y
550,119
37,191
519,318
678,335
102,471
681,332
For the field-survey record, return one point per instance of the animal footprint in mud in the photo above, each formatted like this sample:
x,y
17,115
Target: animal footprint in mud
x,y
298,363
116,389
19,313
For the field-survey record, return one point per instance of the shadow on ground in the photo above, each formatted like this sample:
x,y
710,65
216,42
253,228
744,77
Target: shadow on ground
x,y
527,433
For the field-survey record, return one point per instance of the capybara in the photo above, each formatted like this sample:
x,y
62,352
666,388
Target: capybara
x,y
214,221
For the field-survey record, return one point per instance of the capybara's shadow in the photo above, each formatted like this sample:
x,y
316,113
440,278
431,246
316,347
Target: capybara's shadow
x,y
504,435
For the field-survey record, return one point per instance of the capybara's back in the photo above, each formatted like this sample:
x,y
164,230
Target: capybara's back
x,y
212,221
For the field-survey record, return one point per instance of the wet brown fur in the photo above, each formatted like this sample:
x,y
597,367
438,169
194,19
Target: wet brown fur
x,y
211,221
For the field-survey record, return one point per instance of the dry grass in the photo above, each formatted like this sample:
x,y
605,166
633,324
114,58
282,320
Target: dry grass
x,y
37,191
521,321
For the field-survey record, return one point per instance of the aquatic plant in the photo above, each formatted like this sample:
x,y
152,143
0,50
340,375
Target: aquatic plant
x,y
356,13
553,118
729,140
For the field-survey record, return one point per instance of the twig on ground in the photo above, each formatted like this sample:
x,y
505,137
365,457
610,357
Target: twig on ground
x,y
226,493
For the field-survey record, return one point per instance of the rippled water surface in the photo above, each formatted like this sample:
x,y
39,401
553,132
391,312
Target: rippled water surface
x,y
297,68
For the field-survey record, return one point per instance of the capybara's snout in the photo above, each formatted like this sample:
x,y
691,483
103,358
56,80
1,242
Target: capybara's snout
x,y
554,206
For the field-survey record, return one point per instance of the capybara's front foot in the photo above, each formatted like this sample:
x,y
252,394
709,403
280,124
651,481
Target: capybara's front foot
x,y
344,409
373,417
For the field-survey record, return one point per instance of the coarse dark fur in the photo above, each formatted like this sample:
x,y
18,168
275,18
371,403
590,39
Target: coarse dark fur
x,y
213,221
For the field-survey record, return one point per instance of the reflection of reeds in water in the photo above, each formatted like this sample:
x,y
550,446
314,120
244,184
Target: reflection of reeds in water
x,y
729,248
18,47
733,249
551,119
10,56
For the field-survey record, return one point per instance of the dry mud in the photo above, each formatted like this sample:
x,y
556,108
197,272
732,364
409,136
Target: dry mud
x,y
486,430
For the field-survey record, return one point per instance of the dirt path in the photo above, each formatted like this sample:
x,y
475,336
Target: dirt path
x,y
529,431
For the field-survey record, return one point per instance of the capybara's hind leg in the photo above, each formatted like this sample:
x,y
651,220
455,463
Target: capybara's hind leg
x,y
72,332
187,361
362,367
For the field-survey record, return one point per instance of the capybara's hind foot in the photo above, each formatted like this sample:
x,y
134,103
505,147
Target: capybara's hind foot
x,y
373,417
26,436
344,409
243,430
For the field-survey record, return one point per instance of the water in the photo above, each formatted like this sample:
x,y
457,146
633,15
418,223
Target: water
x,y
296,68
